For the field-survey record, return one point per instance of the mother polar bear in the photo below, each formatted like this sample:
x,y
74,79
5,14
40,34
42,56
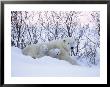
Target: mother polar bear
x,y
42,49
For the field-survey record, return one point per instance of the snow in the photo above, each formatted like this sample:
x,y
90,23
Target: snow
x,y
25,66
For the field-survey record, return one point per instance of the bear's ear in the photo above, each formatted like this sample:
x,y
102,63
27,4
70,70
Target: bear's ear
x,y
64,41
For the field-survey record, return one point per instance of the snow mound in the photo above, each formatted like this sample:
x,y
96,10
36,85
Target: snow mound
x,y
25,66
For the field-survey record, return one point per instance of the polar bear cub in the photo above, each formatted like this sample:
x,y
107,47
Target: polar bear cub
x,y
55,52
35,51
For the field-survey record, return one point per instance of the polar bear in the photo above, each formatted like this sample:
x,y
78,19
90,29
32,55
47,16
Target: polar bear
x,y
64,45
35,51
55,52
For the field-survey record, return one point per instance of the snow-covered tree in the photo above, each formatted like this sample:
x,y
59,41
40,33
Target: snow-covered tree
x,y
32,27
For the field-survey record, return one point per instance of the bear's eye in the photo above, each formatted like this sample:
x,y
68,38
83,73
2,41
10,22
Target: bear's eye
x,y
68,43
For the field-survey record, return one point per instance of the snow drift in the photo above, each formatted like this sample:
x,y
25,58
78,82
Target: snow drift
x,y
25,66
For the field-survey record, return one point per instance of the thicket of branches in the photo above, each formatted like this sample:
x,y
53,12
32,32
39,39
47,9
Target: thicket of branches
x,y
32,27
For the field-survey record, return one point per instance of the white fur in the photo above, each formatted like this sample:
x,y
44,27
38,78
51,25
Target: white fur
x,y
35,50
64,45
55,52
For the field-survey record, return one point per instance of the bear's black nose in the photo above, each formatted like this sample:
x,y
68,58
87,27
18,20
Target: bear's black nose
x,y
71,47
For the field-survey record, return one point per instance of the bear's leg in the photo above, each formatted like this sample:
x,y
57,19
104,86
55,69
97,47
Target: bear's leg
x,y
73,62
68,59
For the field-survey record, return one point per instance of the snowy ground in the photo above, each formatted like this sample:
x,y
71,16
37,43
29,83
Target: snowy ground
x,y
25,66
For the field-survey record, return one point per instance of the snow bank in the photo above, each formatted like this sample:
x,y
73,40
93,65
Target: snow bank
x,y
25,66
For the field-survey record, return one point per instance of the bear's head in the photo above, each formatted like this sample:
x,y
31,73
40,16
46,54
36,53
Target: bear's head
x,y
55,52
68,43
